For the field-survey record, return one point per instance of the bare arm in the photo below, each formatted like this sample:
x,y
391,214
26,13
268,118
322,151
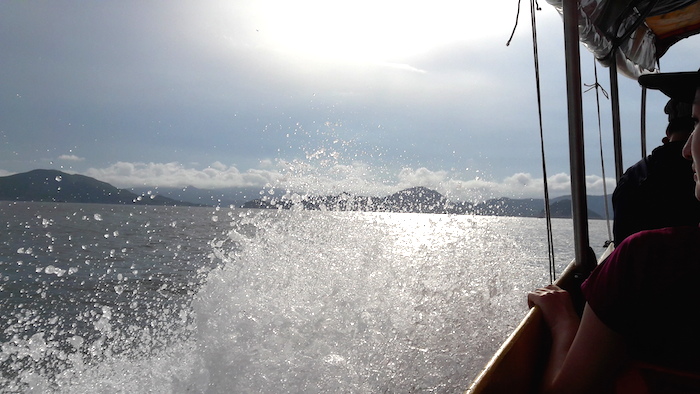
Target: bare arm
x,y
585,356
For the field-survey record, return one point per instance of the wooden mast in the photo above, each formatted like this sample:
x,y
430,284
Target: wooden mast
x,y
615,103
579,206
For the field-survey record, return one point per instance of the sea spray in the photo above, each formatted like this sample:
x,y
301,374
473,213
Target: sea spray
x,y
298,310
259,300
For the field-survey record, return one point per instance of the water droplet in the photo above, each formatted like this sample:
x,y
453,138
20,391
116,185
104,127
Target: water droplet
x,y
75,341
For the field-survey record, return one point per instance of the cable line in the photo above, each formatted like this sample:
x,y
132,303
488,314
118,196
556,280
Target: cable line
x,y
598,87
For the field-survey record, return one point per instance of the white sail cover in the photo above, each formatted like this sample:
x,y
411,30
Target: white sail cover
x,y
636,32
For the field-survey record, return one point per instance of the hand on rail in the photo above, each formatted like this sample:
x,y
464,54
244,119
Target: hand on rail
x,y
556,306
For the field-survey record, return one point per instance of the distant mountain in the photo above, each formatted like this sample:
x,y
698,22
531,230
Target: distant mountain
x,y
597,204
424,200
235,196
58,186
416,199
560,207
530,207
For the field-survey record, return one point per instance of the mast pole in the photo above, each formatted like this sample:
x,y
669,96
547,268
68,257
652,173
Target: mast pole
x,y
615,102
643,126
579,206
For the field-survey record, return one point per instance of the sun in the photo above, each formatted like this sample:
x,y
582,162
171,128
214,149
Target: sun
x,y
367,30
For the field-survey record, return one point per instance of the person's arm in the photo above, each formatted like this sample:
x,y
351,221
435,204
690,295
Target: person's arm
x,y
584,357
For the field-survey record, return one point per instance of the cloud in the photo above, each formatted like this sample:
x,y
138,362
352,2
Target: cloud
x,y
358,178
218,175
71,158
519,185
402,66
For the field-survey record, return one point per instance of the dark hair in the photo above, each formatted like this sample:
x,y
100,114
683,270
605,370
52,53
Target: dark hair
x,y
680,117
680,125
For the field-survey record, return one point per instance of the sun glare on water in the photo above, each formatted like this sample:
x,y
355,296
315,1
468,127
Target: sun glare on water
x,y
371,31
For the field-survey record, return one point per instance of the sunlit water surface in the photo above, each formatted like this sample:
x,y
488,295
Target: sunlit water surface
x,y
103,298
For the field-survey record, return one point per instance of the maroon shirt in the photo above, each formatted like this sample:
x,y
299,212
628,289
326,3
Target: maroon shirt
x,y
648,290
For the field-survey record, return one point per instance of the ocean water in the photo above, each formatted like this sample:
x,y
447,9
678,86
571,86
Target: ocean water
x,y
126,299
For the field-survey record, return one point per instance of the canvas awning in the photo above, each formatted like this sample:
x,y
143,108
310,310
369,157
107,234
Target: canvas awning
x,y
636,32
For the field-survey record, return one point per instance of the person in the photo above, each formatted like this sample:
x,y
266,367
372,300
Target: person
x,y
656,191
639,328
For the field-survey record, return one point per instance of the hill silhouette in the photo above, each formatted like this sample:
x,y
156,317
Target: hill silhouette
x,y
423,200
416,199
562,209
58,186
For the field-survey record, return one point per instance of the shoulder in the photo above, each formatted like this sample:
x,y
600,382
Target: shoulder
x,y
637,168
645,267
650,252
650,246
644,252
633,175
667,155
661,238
672,147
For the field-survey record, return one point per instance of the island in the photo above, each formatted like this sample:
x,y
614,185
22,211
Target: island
x,y
58,186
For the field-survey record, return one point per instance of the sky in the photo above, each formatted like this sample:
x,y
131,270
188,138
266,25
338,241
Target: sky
x,y
312,96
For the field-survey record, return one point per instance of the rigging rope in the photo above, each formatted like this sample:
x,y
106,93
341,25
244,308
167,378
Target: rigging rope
x,y
517,17
548,214
597,87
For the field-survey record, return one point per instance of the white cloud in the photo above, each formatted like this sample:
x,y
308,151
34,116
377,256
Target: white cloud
x,y
266,163
123,174
402,66
422,177
357,178
218,166
71,158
